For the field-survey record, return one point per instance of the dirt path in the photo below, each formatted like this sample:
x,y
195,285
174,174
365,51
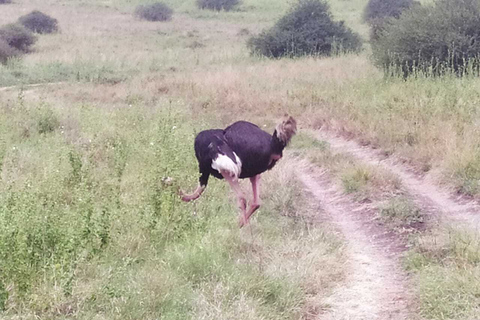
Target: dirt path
x,y
429,197
30,86
375,287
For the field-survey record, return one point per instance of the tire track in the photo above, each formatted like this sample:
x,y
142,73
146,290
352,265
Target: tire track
x,y
430,198
375,286
31,86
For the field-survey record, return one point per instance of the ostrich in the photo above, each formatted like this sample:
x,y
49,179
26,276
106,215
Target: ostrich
x,y
240,151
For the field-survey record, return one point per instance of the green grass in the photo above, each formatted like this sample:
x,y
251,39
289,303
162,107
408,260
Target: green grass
x,y
305,141
90,225
445,267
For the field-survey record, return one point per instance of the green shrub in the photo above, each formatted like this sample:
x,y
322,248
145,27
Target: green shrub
x,y
47,121
381,9
226,5
17,36
7,51
39,22
435,39
154,12
377,11
307,29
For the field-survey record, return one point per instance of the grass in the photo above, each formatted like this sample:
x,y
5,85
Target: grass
x,y
90,226
445,266
365,182
399,211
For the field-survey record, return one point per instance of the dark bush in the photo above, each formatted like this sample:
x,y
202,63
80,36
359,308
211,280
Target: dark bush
x,y
39,22
17,36
444,37
7,52
5,1
381,9
154,12
226,5
307,29
377,11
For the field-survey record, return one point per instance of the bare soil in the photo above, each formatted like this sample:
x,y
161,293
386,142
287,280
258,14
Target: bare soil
x,y
375,286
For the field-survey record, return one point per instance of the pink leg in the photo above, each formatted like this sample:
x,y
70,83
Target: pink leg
x,y
256,199
242,202
197,193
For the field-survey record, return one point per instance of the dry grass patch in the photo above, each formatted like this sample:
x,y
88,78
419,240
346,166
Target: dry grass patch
x,y
400,213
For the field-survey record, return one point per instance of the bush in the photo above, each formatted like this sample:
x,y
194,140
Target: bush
x,y
307,29
381,9
5,1
444,37
226,5
7,52
17,36
39,22
154,12
377,11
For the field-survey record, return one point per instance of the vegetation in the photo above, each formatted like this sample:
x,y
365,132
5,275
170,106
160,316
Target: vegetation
x,y
17,36
446,265
226,5
87,207
377,13
307,29
401,212
378,10
434,39
39,22
5,1
154,12
7,52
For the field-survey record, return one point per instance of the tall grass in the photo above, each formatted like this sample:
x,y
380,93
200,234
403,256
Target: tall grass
x,y
91,222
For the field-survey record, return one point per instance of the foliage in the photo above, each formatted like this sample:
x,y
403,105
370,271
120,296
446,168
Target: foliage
x,y
444,37
378,11
226,5
381,9
39,22
17,36
307,29
5,1
154,12
47,121
7,51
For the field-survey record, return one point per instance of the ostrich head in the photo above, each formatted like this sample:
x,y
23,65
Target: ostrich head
x,y
286,129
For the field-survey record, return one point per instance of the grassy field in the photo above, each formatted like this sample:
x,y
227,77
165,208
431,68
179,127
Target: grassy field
x,y
90,226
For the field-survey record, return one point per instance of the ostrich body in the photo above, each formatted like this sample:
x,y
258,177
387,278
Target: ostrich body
x,y
240,151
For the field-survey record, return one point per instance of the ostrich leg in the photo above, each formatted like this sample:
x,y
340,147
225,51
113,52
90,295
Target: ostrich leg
x,y
256,200
190,197
235,185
